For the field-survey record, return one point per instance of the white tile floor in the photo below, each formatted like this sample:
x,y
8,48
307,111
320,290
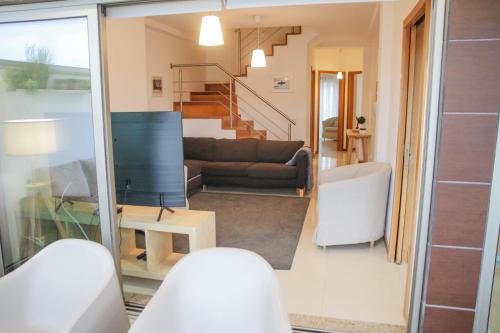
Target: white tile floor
x,y
342,282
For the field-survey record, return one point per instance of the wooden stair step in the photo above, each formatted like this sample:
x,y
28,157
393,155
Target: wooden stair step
x,y
202,110
221,87
224,99
237,123
256,134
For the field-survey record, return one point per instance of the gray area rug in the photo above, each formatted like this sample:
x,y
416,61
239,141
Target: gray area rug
x,y
267,225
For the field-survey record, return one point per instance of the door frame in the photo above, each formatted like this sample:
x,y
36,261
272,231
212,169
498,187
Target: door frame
x,y
340,131
350,98
421,9
100,116
312,142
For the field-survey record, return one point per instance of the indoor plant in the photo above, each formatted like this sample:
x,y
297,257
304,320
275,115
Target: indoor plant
x,y
360,121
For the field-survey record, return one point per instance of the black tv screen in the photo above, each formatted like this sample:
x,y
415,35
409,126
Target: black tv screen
x,y
148,157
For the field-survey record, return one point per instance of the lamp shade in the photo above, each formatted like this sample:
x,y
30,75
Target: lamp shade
x,y
258,58
340,76
210,31
30,137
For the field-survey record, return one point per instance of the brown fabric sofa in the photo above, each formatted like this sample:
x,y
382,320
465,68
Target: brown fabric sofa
x,y
244,162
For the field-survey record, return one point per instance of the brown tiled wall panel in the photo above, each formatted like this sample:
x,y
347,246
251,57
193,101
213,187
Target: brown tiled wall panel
x,y
460,216
465,156
453,277
448,321
470,19
471,76
467,147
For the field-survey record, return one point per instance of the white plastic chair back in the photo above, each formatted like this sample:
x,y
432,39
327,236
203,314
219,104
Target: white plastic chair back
x,y
218,290
69,286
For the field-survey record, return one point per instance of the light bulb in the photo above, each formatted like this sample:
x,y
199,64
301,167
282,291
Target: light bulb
x,y
340,76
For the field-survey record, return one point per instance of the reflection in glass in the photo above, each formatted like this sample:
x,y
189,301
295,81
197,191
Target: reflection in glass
x,y
48,187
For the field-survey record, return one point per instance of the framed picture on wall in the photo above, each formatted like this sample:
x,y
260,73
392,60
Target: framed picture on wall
x,y
157,82
282,83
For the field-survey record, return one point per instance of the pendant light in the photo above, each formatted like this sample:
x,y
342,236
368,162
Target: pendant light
x,y
210,30
258,56
340,75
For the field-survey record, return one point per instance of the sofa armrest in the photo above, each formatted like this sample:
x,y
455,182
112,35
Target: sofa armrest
x,y
301,165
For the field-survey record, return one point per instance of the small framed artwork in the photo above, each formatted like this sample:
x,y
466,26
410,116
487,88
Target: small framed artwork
x,y
157,82
282,84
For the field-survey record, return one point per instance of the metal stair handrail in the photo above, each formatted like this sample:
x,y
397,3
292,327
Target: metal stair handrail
x,y
244,85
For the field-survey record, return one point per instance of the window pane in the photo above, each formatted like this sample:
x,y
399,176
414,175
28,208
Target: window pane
x,y
48,187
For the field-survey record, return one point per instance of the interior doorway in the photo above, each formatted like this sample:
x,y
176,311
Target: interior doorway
x,y
330,111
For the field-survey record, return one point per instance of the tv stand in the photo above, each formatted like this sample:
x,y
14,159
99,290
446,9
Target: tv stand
x,y
199,226
163,207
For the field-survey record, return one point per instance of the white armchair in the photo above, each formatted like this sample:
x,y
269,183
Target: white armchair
x,y
217,290
70,286
352,204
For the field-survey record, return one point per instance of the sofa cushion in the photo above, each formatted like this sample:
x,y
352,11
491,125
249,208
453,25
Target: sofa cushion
x,y
194,167
227,169
241,150
277,151
199,149
272,170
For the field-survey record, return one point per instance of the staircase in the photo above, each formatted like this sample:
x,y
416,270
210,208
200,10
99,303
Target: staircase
x,y
215,103
270,38
258,119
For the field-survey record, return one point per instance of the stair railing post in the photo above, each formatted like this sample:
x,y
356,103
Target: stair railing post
x,y
239,52
230,102
180,90
289,132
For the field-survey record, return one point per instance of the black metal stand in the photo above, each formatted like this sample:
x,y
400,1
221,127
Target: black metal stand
x,y
163,207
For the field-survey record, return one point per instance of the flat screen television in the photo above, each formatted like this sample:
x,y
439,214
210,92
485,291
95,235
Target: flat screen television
x,y
148,159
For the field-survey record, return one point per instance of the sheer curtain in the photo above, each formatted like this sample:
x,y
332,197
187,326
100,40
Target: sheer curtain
x,y
329,96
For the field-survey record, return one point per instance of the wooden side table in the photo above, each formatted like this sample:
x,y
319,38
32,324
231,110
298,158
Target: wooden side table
x,y
352,136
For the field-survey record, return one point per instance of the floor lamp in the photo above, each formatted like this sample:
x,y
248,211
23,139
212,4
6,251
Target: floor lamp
x,y
31,138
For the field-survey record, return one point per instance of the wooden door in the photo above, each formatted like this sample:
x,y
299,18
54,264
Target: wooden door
x,y
411,156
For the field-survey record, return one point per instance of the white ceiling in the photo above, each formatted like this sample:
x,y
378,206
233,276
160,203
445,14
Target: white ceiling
x,y
343,21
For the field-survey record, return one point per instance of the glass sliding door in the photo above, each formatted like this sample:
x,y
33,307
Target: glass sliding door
x,y
494,320
53,176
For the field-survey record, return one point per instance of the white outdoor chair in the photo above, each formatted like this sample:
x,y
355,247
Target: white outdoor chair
x,y
219,290
69,286
352,204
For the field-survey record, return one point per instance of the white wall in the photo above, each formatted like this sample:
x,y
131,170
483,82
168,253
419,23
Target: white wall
x,y
370,77
126,43
344,59
292,61
206,128
225,55
392,15
139,49
165,46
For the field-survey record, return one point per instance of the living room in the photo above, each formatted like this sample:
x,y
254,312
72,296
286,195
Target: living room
x,y
250,162
342,38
